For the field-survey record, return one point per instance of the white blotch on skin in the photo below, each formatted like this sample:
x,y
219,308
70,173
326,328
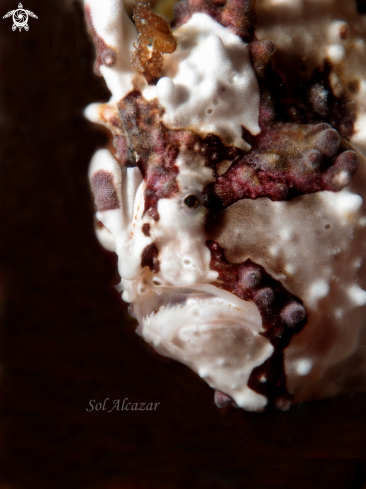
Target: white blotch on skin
x,y
303,366
336,53
210,64
347,202
317,291
339,313
357,295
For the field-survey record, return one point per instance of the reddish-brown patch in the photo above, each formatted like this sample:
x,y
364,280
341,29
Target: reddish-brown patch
x,y
149,258
155,38
124,152
104,191
238,15
156,148
223,400
260,54
286,160
300,149
214,151
283,315
105,54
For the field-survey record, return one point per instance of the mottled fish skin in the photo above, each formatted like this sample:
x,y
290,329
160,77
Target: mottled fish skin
x,y
234,198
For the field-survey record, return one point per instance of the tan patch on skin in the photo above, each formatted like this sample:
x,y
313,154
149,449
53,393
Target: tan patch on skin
x,y
155,39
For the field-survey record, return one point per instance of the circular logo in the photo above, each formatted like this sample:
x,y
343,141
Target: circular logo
x,y
20,18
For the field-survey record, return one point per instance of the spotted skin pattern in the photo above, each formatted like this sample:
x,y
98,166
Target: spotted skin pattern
x,y
303,148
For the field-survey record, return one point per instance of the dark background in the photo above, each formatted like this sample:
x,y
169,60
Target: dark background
x,y
65,336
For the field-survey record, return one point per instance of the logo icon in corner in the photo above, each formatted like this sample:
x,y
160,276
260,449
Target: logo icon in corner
x,y
20,17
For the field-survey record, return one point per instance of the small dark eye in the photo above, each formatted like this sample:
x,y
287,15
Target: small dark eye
x,y
191,201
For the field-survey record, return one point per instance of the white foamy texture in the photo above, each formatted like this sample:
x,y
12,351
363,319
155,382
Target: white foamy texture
x,y
116,29
303,366
208,83
215,339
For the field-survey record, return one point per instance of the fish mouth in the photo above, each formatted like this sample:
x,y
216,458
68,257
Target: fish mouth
x,y
210,330
160,300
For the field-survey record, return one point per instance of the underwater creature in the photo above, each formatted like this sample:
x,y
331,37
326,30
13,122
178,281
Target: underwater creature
x,y
234,197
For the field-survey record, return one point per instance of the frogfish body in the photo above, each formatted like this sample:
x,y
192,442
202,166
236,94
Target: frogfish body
x,y
234,196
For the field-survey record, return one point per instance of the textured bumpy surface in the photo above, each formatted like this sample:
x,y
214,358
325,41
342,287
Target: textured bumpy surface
x,y
234,197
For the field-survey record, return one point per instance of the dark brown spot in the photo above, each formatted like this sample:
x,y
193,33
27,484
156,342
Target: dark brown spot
x,y
354,86
146,229
344,31
215,222
260,54
149,258
104,191
301,95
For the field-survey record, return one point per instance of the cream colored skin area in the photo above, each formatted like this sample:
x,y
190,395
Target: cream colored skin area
x,y
314,245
